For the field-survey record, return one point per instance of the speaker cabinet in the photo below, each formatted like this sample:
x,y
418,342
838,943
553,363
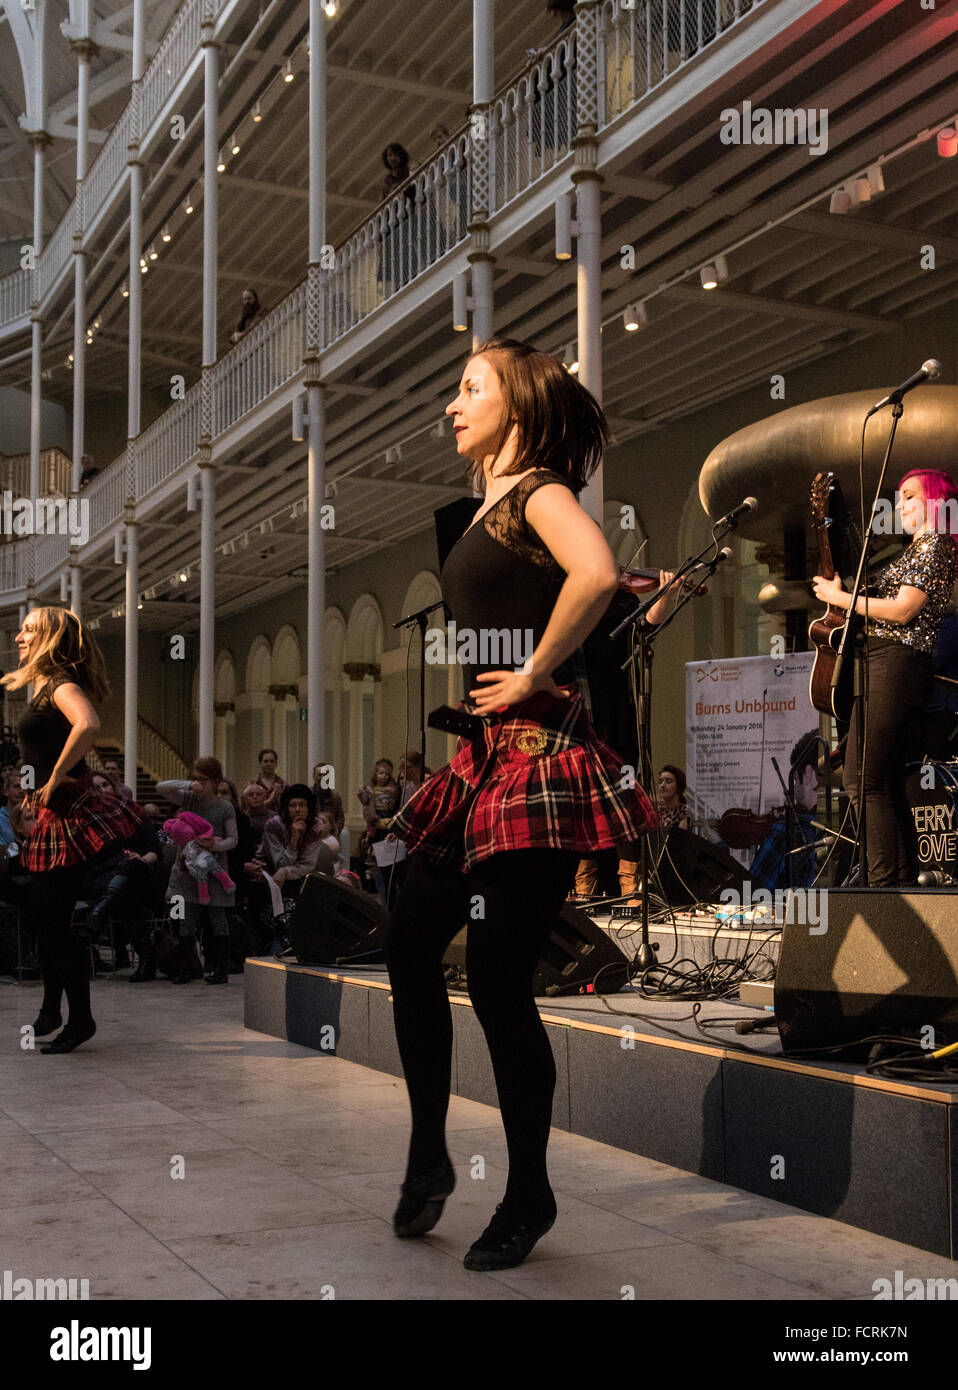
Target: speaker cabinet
x,y
694,870
333,925
575,953
887,962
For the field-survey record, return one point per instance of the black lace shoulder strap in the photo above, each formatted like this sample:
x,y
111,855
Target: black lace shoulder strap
x,y
507,522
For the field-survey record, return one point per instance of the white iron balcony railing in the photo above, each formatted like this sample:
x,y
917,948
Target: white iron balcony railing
x,y
531,126
533,123
171,60
411,232
643,42
15,297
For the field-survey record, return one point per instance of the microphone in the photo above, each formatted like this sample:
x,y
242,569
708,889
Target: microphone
x,y
709,566
928,371
731,519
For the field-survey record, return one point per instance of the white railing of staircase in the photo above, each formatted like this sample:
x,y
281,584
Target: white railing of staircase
x,y
532,123
56,473
643,42
155,755
107,169
265,359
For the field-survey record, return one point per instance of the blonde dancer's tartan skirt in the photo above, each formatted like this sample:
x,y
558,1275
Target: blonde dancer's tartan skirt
x,y
77,826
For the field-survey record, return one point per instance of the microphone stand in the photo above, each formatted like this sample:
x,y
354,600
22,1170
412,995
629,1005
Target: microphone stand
x,y
419,618
860,682
641,663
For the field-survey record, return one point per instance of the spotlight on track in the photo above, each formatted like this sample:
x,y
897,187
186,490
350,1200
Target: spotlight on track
x,y
635,317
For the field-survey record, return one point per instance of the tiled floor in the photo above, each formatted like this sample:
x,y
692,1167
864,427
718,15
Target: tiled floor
x,y
291,1162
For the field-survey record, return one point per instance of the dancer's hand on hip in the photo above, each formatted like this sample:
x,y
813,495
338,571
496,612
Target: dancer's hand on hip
x,y
500,689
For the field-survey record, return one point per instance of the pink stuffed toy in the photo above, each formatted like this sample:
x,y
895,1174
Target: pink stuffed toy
x,y
184,831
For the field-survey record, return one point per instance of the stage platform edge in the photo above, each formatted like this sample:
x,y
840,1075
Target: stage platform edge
x,y
878,1154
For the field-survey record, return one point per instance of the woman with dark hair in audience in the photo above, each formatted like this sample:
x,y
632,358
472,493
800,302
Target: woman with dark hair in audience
x,y
201,796
672,807
70,822
530,790
292,847
269,779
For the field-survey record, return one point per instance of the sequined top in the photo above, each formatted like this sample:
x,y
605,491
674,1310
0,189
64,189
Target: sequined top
x,y
928,563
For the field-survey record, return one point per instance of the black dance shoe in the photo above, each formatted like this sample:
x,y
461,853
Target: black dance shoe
x,y
506,1241
71,1037
422,1200
46,1023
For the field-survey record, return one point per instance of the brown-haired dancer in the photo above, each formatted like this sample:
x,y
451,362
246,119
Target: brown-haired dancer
x,y
505,823
72,820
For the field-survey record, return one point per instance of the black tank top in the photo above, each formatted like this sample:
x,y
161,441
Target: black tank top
x,y
501,582
43,731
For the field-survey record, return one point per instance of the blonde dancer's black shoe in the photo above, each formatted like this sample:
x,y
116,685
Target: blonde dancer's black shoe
x,y
71,1037
422,1200
507,1240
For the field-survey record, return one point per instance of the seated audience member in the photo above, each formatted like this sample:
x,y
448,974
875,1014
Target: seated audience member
x,y
380,801
253,804
327,799
672,807
292,847
112,769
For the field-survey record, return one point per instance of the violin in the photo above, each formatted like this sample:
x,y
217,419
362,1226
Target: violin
x,y
646,581
740,828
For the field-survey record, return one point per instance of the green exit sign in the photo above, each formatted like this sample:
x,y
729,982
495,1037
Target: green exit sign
x,y
302,716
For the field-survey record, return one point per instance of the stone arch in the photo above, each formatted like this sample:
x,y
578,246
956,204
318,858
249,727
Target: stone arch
x,y
259,665
286,660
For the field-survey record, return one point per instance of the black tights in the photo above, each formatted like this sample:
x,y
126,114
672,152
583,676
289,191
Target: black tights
x,y
65,963
520,895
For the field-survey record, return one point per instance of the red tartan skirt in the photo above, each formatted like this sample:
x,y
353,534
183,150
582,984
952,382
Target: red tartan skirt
x,y
539,778
81,822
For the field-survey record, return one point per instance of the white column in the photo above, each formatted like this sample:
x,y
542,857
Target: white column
x,y
76,583
205,689
131,654
315,393
483,80
83,49
588,184
131,620
40,142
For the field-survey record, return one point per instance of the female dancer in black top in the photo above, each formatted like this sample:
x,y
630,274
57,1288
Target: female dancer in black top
x,y
74,822
904,616
496,835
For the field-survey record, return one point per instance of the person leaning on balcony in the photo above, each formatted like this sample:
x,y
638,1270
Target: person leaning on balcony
x,y
67,821
200,796
530,790
269,779
251,315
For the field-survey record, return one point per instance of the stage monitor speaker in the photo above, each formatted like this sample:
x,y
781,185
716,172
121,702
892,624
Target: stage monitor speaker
x,y
334,925
694,870
887,962
575,953
451,521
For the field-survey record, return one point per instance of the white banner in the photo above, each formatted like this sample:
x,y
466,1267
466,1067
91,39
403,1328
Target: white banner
x,y
741,713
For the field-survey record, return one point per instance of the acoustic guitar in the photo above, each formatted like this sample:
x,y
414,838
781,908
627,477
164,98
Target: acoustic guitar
x,y
831,523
